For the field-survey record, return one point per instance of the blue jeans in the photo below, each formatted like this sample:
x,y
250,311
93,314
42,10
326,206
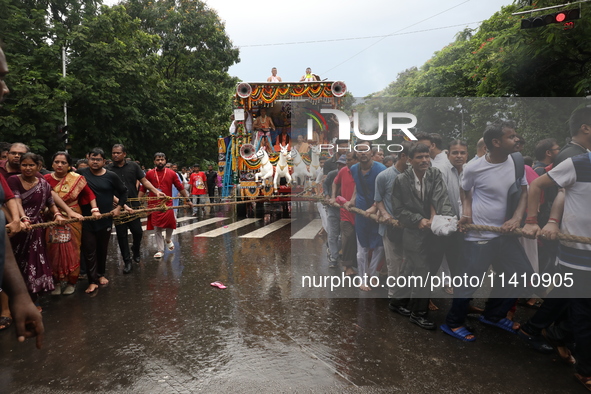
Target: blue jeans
x,y
507,256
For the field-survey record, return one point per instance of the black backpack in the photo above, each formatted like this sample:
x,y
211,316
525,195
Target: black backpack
x,y
514,193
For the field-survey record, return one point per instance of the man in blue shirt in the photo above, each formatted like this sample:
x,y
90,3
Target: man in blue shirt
x,y
368,238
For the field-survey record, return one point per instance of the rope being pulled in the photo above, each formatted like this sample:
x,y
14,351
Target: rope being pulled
x,y
126,216
467,227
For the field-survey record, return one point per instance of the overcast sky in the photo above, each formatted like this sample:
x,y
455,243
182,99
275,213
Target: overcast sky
x,y
365,65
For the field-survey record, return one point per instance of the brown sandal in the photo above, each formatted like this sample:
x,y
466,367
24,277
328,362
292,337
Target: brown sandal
x,y
561,350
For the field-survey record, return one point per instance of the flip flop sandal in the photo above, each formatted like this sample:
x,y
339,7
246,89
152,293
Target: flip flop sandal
x,y
460,334
5,322
503,324
170,246
158,255
219,285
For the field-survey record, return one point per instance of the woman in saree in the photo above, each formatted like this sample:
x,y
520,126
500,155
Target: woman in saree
x,y
63,242
29,246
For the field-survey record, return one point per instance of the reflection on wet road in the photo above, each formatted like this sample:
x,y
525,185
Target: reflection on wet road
x,y
165,329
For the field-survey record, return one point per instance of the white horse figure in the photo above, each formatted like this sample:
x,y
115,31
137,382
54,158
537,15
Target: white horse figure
x,y
281,168
266,169
300,171
315,163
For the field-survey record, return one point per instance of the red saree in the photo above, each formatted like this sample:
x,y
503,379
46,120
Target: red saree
x,y
63,242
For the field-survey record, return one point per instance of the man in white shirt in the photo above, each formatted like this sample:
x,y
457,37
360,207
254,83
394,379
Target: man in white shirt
x,y
486,185
574,259
451,246
435,143
480,149
274,77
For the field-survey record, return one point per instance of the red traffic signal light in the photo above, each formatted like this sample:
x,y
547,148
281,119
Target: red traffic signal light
x,y
558,17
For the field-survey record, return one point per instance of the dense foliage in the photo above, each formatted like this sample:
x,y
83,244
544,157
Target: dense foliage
x,y
152,75
499,59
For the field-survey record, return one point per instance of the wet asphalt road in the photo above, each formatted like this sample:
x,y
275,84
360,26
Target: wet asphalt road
x,y
164,329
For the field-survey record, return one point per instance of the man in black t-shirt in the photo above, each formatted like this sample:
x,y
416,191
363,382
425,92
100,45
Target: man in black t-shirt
x,y
96,233
130,173
343,146
580,131
212,177
546,150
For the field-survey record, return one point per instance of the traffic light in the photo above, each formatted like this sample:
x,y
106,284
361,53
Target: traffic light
x,y
62,132
564,17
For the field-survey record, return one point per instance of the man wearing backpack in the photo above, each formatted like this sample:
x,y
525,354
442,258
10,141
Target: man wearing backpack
x,y
494,193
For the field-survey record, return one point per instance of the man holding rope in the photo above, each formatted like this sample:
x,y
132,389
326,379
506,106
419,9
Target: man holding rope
x,y
130,173
574,259
369,242
418,194
163,179
486,184
96,234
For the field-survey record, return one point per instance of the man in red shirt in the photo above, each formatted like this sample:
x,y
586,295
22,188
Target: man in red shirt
x,y
198,181
344,186
163,180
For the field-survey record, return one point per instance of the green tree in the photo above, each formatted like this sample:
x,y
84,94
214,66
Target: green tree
x,y
500,59
34,108
113,83
150,75
194,90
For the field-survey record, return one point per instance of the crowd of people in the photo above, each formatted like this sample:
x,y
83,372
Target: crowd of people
x,y
37,259
96,186
423,181
426,181
50,259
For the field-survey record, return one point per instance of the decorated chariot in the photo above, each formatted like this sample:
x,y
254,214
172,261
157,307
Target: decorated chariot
x,y
275,158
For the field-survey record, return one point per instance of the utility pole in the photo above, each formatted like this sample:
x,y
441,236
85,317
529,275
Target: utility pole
x,y
65,103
